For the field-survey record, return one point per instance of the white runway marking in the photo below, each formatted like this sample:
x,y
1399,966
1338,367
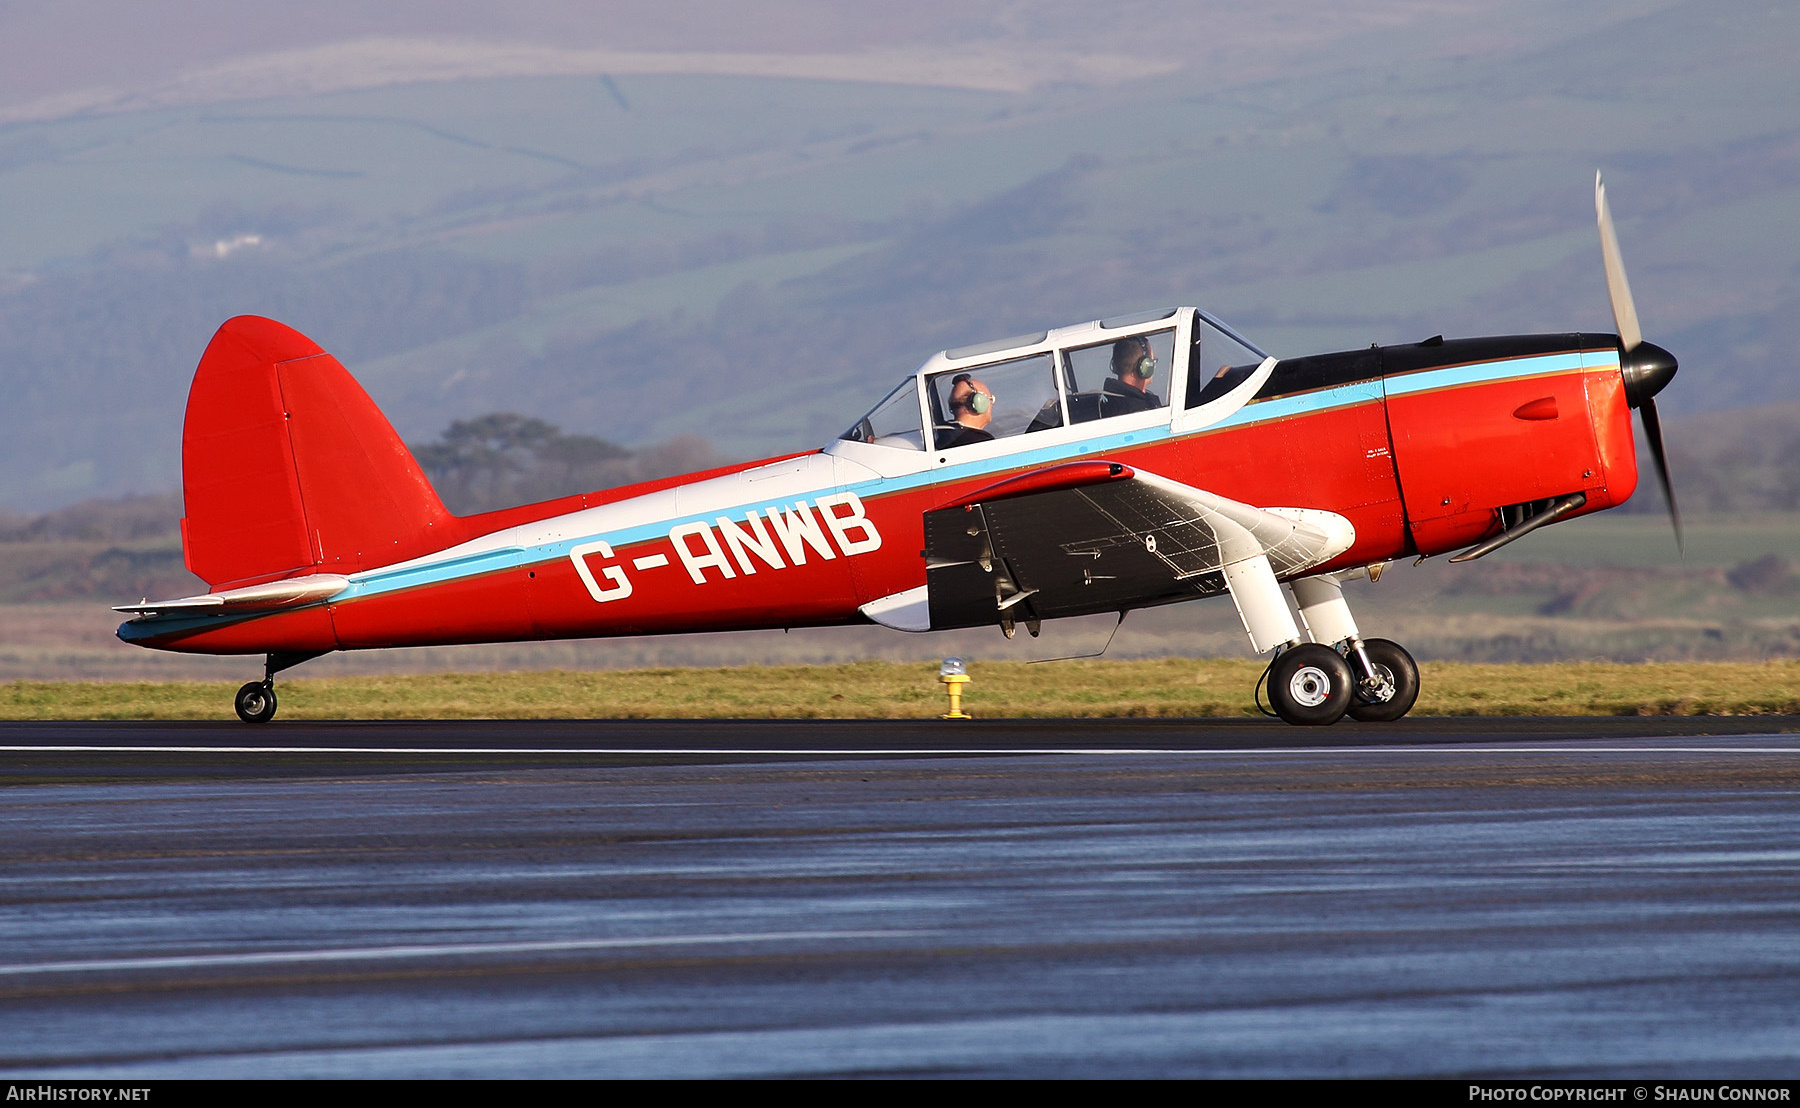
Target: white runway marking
x,y
1086,752
294,957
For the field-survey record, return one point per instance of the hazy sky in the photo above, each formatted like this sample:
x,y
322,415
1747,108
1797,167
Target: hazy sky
x,y
483,207
54,47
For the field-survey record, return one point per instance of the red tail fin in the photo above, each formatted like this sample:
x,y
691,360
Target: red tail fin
x,y
287,466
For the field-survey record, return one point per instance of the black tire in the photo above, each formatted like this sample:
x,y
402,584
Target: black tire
x,y
1310,685
1392,659
256,702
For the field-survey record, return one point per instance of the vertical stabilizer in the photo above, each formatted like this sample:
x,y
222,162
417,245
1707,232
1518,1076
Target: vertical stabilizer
x,y
288,467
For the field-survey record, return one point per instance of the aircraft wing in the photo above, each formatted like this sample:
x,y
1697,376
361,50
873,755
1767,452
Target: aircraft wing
x,y
1096,536
254,598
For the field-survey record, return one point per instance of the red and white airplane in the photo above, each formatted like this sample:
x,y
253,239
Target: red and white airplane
x,y
1102,467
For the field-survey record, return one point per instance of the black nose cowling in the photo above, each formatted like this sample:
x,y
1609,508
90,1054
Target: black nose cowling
x,y
1646,369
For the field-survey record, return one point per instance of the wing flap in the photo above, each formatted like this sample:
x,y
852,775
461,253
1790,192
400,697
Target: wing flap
x,y
1129,541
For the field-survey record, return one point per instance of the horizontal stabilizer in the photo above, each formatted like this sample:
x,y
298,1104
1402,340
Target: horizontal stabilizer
x,y
256,598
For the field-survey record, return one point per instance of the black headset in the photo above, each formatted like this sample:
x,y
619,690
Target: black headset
x,y
977,401
1146,364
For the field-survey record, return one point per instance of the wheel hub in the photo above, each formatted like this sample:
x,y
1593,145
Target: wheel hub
x,y
1378,687
1310,686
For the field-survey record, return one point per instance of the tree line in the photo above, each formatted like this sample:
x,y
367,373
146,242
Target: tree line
x,y
503,459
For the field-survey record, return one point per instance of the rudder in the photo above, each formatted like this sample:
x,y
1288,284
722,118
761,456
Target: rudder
x,y
288,467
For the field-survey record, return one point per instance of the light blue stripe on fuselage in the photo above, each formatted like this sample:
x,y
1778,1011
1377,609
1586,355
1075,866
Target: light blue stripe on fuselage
x,y
1450,376
474,565
377,582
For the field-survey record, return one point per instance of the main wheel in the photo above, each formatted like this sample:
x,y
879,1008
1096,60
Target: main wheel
x,y
256,702
1397,668
1310,685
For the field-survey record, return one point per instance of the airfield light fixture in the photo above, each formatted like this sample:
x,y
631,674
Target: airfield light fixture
x,y
954,674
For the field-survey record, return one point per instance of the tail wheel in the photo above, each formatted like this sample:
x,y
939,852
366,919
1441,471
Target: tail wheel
x,y
256,702
1310,685
1399,673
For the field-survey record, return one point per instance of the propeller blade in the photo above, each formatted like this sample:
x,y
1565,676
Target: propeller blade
x,y
1653,432
1617,287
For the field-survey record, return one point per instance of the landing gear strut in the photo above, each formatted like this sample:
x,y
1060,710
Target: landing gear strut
x,y
256,700
1391,686
1337,673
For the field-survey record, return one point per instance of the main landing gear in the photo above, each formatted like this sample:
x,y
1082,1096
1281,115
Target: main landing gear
x,y
1337,672
256,700
1310,684
1391,687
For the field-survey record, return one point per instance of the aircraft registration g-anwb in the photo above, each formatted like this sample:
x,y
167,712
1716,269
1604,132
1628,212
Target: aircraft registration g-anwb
x,y
1096,468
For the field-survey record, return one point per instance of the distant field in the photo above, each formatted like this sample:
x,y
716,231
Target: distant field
x,y
1620,539
1165,687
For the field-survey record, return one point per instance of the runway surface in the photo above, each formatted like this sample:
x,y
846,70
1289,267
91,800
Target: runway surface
x,y
1087,898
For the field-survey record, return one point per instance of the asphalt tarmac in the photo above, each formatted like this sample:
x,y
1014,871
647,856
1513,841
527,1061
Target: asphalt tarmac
x,y
1570,897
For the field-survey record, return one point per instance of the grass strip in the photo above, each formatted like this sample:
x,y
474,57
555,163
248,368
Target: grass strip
x,y
1163,687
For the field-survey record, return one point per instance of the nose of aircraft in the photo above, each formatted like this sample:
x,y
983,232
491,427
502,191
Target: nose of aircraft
x,y
1646,368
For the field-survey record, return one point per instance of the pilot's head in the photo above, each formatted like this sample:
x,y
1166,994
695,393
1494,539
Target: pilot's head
x,y
971,402
1132,362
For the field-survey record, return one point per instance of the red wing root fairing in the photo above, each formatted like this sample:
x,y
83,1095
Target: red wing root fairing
x,y
1101,467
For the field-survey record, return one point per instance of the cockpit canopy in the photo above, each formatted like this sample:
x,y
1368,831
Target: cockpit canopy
x,y
1149,362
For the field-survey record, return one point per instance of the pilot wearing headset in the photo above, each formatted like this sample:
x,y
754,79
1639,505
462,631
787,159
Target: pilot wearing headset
x,y
1128,389
972,407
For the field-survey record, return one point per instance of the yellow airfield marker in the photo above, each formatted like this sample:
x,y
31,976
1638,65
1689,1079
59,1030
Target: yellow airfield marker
x,y
954,674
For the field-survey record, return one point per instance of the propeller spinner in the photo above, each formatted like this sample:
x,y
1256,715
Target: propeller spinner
x,y
1645,366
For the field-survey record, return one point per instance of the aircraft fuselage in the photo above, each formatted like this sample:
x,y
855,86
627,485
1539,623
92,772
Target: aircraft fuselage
x,y
1421,448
